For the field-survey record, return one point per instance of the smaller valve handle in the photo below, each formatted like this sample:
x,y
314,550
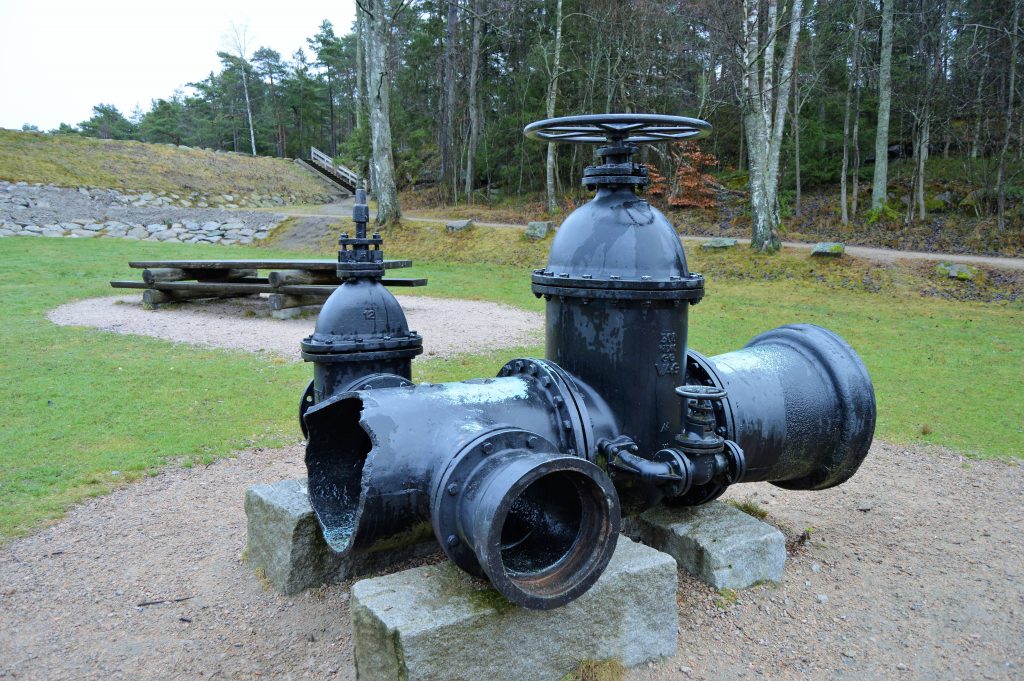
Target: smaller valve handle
x,y
701,392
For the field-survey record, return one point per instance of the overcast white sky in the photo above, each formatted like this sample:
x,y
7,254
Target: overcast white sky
x,y
59,58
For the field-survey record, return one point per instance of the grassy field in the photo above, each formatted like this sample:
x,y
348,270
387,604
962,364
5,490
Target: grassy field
x,y
69,160
85,410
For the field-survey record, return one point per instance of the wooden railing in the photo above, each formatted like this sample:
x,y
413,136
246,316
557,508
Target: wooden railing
x,y
347,175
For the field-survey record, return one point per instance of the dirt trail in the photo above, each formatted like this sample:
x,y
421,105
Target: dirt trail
x,y
344,208
913,571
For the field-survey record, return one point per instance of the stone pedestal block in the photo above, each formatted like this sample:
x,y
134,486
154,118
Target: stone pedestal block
x,y
286,543
716,542
438,622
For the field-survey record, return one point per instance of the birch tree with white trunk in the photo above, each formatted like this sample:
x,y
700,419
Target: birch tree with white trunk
x,y
239,39
851,108
552,96
378,18
764,99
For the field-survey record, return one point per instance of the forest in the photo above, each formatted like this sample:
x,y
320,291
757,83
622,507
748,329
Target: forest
x,y
803,94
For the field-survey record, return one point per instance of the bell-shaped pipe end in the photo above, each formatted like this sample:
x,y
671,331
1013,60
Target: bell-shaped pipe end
x,y
800,404
848,392
541,527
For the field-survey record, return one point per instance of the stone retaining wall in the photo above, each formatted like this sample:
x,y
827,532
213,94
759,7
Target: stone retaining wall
x,y
88,212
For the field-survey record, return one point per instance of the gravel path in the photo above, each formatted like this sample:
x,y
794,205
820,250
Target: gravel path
x,y
917,558
448,327
344,208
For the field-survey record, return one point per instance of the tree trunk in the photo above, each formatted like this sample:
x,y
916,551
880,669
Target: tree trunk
x,y
473,101
922,158
360,69
977,105
447,127
879,189
378,80
248,107
856,137
796,128
1001,172
764,104
552,95
330,100
851,87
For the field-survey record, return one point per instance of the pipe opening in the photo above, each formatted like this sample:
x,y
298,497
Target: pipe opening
x,y
335,455
552,537
542,525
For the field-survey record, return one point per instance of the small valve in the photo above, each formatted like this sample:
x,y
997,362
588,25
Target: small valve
x,y
698,417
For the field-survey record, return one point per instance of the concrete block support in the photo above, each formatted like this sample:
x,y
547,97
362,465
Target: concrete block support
x,y
717,543
285,542
437,622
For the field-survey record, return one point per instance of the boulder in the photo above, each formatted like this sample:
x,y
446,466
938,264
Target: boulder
x,y
955,270
719,242
537,230
830,249
458,225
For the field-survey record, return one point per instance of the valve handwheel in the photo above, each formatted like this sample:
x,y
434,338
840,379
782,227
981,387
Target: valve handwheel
x,y
618,129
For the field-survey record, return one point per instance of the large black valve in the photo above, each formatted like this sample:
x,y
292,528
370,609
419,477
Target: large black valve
x,y
523,478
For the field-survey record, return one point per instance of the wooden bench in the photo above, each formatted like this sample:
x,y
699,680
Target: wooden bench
x,y
289,283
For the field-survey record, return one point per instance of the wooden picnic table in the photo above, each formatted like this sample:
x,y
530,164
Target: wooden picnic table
x,y
290,283
284,264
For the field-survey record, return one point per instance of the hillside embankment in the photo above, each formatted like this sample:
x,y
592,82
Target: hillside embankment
x,y
198,175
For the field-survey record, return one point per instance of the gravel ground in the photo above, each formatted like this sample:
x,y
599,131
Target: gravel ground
x,y
448,327
913,570
49,204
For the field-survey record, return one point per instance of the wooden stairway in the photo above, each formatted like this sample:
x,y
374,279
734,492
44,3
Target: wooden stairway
x,y
344,177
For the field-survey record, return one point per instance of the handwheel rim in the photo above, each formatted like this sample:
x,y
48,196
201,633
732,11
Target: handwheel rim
x,y
622,128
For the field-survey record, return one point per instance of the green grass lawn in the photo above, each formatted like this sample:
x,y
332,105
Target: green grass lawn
x,y
84,410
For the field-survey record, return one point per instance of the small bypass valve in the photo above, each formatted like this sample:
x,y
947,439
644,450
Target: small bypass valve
x,y
699,467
